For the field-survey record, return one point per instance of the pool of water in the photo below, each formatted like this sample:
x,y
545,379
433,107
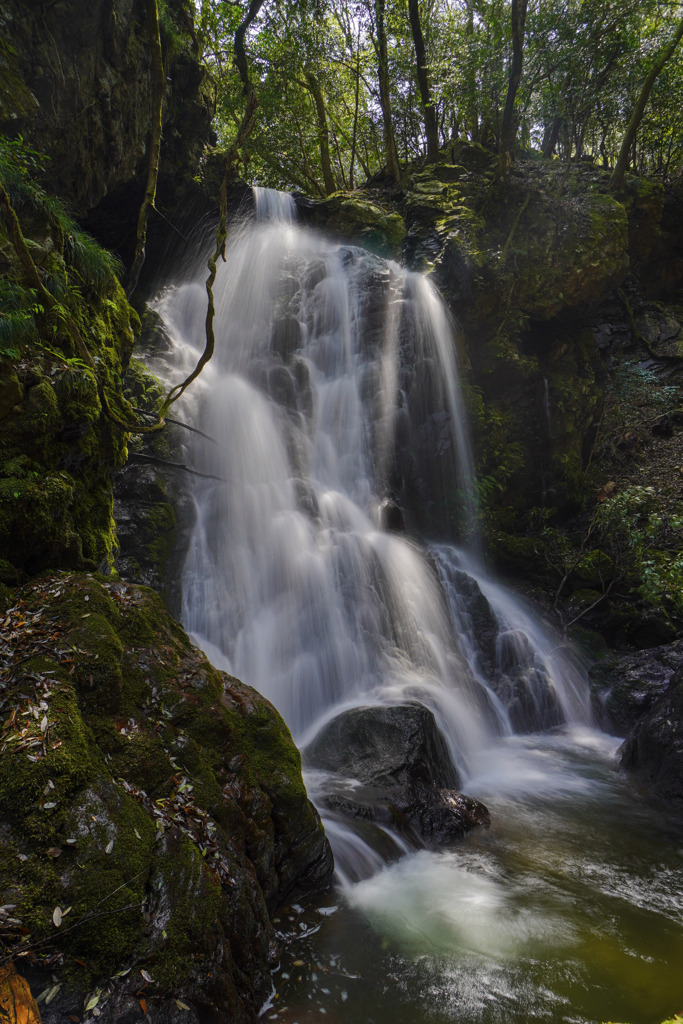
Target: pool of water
x,y
569,908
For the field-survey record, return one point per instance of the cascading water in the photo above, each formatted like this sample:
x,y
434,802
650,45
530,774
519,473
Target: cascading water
x,y
335,412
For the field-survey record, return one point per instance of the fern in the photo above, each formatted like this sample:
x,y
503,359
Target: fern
x,y
17,318
94,266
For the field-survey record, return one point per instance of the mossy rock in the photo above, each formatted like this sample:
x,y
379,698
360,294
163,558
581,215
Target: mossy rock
x,y
361,218
59,444
145,504
159,799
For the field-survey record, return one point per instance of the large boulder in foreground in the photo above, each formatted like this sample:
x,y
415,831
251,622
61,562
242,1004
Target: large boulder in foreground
x,y
653,750
152,810
406,775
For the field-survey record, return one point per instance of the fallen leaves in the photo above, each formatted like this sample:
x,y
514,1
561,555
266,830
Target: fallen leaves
x,y
180,811
58,915
17,1005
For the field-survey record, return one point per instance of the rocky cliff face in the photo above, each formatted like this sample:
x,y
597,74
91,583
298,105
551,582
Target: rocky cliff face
x,y
75,82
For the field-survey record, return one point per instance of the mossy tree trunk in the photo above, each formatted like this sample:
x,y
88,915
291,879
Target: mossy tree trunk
x,y
149,198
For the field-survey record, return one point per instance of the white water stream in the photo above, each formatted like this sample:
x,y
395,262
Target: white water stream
x,y
334,400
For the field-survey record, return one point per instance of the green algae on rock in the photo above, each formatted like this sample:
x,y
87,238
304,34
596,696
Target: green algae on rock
x,y
159,799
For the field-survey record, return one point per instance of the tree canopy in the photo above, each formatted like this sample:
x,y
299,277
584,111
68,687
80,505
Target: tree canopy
x,y
347,90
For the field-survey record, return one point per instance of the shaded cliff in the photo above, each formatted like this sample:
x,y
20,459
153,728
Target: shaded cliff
x,y
76,84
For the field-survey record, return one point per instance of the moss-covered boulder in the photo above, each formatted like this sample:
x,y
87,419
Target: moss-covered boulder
x,y
153,812
365,217
524,249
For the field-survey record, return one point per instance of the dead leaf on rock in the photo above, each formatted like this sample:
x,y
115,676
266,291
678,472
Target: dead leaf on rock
x,y
17,1005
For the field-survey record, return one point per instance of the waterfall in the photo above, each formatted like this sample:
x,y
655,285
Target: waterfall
x,y
339,436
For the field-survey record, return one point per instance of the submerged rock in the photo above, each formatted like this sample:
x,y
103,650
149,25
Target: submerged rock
x,y
158,799
402,771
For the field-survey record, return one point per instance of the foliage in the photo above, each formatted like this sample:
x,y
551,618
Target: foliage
x,y
633,393
18,308
633,525
584,62
93,267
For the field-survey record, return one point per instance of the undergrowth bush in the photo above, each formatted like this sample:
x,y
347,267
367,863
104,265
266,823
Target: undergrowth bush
x,y
632,525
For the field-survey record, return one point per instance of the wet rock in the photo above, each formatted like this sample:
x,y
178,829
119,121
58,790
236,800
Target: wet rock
x,y
653,750
282,387
391,516
286,338
630,684
523,685
407,779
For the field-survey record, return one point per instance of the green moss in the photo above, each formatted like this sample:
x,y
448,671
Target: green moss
x,y
158,767
182,879
271,759
363,218
58,511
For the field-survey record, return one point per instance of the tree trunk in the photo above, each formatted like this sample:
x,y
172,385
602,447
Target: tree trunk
x,y
471,111
628,142
509,127
355,113
431,127
385,92
551,136
323,132
158,82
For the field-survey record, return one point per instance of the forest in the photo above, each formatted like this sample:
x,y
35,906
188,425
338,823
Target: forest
x,y
348,92
341,511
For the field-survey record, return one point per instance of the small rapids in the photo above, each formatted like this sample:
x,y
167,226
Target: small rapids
x,y
338,437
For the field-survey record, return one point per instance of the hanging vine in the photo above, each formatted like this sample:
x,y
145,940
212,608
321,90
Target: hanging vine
x,y
243,131
154,145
